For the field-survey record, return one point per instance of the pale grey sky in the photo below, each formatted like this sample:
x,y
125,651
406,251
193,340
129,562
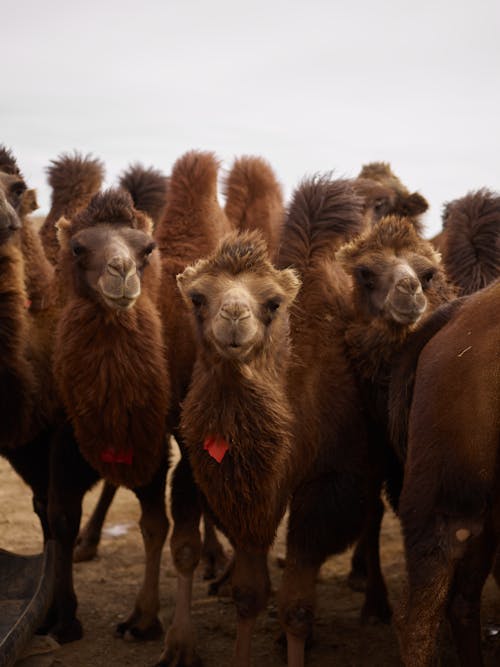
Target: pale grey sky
x,y
311,86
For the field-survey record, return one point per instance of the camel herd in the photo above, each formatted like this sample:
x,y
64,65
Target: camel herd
x,y
312,358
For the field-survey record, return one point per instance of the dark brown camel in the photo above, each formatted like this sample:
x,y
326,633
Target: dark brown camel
x,y
112,376
449,507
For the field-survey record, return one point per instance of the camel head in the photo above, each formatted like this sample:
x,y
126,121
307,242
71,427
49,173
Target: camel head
x,y
107,249
239,301
385,194
397,276
12,193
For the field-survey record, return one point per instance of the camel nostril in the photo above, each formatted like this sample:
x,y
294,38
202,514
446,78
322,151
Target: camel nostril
x,y
409,285
234,311
122,267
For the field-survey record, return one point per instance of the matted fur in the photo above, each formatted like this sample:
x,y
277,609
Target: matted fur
x,y
74,179
254,199
471,247
111,366
148,189
323,214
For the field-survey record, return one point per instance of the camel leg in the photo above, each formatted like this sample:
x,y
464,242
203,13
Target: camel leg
x,y
143,622
250,591
185,546
88,540
212,553
465,601
223,578
31,462
376,605
71,478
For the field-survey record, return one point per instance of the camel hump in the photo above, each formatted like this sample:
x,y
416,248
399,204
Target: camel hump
x,y
193,178
254,198
471,249
74,179
323,215
148,189
8,163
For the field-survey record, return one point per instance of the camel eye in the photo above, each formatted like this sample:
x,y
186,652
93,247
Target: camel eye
x,y
197,299
365,276
273,304
428,276
18,189
77,249
149,249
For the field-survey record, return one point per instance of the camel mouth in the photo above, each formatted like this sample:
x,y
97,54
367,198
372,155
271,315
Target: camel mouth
x,y
119,303
410,316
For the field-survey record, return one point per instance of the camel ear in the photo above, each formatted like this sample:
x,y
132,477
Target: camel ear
x,y
148,224
29,202
62,231
414,204
290,282
185,279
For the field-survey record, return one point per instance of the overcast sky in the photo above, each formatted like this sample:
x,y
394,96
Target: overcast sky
x,y
312,86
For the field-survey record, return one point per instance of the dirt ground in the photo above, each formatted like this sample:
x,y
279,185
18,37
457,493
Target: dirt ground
x,y
106,589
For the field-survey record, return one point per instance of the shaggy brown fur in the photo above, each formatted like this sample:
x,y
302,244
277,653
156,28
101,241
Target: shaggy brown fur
x,y
470,240
399,202
450,502
254,199
331,475
110,364
239,304
148,189
74,180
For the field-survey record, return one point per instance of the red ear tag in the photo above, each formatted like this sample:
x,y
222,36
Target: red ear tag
x,y
111,455
216,447
27,304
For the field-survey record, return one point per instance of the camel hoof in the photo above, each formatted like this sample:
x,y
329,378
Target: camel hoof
x,y
84,551
132,632
179,657
67,632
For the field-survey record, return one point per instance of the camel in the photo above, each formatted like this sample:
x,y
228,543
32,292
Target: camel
x,y
385,194
449,506
111,372
398,281
239,306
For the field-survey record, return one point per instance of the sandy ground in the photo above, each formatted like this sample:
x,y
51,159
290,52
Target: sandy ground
x,y
106,589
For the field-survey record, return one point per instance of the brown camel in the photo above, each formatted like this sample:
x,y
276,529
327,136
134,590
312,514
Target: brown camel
x,y
240,455
398,281
330,486
28,402
112,376
385,194
449,506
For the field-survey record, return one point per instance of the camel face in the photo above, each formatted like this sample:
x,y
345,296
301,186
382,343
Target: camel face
x,y
237,311
12,188
395,273
109,261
